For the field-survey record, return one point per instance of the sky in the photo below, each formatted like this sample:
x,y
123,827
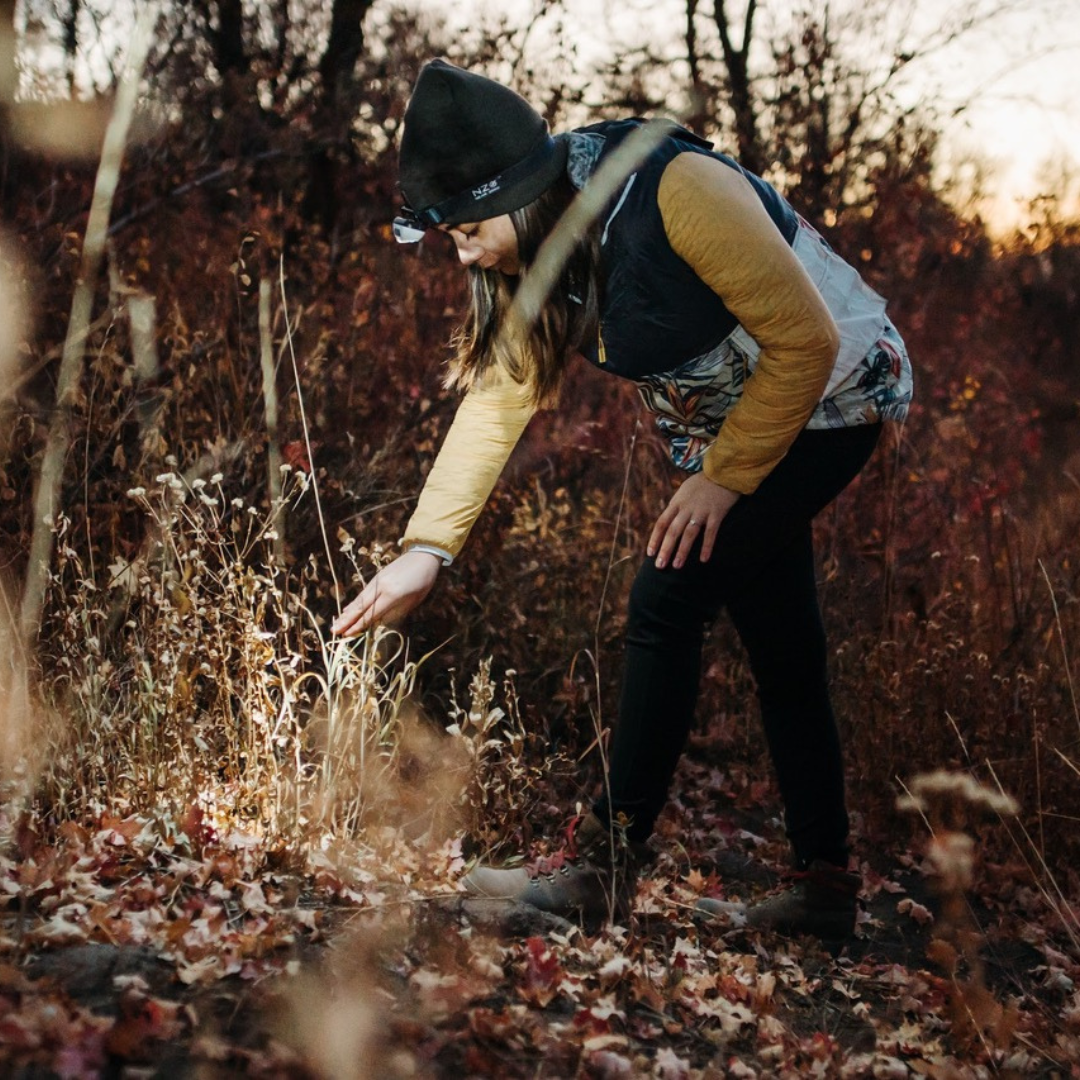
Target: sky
x,y
1022,77
1008,86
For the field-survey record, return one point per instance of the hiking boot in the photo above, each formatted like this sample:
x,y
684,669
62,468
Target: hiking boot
x,y
821,901
589,879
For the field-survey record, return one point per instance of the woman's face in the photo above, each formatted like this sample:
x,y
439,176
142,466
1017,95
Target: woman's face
x,y
490,244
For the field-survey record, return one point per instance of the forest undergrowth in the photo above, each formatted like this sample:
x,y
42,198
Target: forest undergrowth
x,y
231,842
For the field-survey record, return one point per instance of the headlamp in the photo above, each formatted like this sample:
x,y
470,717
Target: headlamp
x,y
469,205
408,228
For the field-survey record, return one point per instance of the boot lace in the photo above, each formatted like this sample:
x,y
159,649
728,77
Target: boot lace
x,y
549,865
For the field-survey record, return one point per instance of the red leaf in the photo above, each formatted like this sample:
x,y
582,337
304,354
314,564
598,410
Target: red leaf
x,y
542,968
295,454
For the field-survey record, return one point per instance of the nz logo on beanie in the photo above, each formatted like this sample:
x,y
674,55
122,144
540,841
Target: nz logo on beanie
x,y
484,190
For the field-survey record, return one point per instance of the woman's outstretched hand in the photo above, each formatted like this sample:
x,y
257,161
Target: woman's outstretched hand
x,y
696,509
391,594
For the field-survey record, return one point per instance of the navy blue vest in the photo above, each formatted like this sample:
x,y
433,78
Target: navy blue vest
x,y
657,313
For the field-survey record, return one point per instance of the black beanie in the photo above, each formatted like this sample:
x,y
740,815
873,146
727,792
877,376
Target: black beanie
x,y
473,149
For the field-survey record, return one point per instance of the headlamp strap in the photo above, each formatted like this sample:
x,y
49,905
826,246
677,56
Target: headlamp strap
x,y
478,193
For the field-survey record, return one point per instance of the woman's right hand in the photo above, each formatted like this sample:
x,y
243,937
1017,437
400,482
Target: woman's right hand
x,y
391,594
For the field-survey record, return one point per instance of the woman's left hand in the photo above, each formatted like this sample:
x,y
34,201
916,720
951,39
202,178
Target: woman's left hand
x,y
696,509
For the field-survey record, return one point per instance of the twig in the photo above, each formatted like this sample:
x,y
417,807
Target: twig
x,y
1038,785
1061,638
1067,761
28,374
307,433
601,746
1060,906
189,185
959,736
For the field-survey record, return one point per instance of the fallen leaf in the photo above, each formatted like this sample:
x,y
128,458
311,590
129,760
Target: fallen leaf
x,y
922,915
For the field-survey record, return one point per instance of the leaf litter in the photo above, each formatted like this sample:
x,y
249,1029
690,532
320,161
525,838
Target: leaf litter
x,y
126,953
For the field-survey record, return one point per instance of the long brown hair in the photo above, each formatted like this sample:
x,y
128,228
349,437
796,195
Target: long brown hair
x,y
569,318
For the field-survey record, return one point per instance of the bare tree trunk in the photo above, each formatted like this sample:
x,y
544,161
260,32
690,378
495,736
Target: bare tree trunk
x,y
742,99
9,79
695,119
337,68
821,148
227,44
69,23
229,54
283,24
343,49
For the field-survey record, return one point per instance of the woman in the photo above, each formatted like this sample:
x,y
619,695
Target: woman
x,y
770,367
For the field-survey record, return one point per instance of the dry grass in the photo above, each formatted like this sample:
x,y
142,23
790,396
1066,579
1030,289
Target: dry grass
x,y
199,678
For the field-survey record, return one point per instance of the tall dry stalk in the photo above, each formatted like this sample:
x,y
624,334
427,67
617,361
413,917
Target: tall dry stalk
x,y
16,707
1067,667
47,496
142,316
14,699
579,217
13,320
307,432
1049,887
18,722
952,804
270,399
614,840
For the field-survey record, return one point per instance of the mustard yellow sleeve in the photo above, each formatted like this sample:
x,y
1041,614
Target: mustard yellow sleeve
x,y
486,428
716,223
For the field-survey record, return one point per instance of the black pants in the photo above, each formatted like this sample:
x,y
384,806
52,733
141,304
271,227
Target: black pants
x,y
762,571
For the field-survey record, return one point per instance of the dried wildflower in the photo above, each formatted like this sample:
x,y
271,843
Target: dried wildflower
x,y
951,802
136,493
953,797
951,857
